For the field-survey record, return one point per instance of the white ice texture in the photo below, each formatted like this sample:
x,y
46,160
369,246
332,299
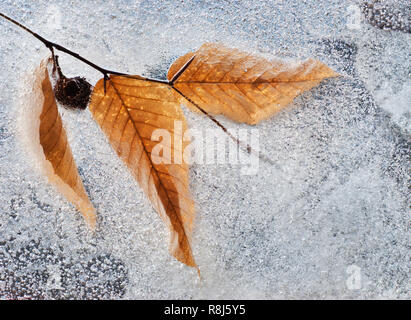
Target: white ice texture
x,y
330,219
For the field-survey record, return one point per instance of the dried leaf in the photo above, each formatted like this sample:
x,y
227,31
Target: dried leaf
x,y
243,87
59,163
128,112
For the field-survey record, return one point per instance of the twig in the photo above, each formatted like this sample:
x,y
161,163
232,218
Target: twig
x,y
52,45
106,73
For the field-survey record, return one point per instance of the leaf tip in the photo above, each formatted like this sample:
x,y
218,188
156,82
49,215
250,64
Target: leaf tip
x,y
89,215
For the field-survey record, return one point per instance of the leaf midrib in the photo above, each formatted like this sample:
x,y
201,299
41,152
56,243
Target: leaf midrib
x,y
123,104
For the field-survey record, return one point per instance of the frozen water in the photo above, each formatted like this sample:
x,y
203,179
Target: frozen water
x,y
330,220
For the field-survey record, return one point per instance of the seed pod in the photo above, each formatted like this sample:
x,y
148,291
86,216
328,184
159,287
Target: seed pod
x,y
72,92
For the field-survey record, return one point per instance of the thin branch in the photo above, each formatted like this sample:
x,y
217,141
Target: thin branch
x,y
46,42
56,46
246,147
106,73
145,78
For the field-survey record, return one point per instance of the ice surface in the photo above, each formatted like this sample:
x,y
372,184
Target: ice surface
x,y
330,220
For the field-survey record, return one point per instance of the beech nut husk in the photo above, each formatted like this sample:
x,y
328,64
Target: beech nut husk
x,y
73,92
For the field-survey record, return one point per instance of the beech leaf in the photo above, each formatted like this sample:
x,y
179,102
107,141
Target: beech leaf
x,y
241,86
128,111
58,162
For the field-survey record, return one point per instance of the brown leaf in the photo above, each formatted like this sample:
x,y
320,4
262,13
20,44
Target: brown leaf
x,y
241,86
128,113
59,163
